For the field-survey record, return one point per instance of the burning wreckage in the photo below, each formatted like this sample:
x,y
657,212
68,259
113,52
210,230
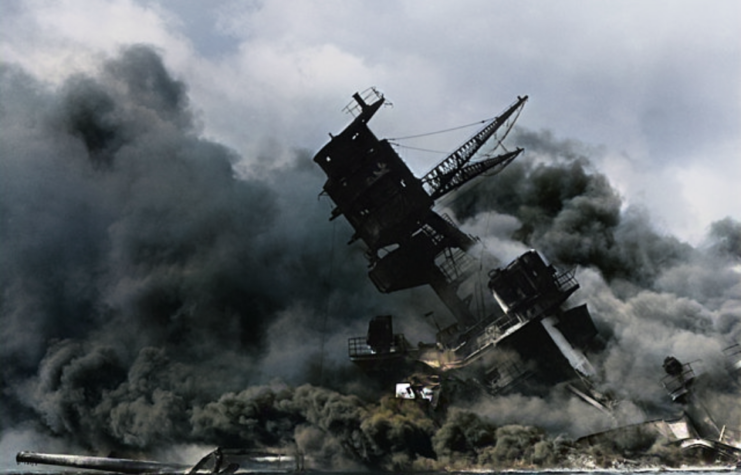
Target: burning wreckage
x,y
529,342
521,337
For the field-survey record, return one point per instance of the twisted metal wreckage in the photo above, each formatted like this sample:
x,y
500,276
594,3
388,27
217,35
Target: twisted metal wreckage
x,y
523,340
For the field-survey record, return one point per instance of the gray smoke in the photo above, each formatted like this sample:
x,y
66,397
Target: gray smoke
x,y
572,214
141,275
651,295
153,296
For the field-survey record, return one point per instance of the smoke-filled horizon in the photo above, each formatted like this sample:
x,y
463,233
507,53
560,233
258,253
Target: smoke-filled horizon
x,y
153,296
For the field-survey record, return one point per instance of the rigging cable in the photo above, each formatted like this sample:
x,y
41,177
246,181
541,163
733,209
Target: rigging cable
x,y
442,131
417,148
449,199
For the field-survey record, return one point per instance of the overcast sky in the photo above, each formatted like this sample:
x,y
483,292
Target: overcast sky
x,y
653,86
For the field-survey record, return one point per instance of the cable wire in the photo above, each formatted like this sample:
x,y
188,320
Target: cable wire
x,y
441,131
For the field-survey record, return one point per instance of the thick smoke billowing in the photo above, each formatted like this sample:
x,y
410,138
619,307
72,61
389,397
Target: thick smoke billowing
x,y
152,296
650,294
141,276
573,215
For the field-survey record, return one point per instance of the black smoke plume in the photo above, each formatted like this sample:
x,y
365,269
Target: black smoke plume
x,y
153,296
142,276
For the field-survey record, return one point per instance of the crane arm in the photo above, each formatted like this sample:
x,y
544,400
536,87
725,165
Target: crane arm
x,y
492,165
440,177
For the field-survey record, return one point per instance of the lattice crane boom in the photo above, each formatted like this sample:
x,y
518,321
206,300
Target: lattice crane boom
x,y
441,179
492,165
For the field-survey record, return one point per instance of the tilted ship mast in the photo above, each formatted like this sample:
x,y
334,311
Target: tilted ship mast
x,y
408,244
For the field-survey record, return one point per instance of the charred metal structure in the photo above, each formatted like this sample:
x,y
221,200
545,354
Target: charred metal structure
x,y
409,244
532,341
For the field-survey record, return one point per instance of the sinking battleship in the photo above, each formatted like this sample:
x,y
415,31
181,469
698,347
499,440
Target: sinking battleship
x,y
531,341
528,340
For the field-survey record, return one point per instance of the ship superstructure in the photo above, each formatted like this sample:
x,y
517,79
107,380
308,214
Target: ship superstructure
x,y
408,244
